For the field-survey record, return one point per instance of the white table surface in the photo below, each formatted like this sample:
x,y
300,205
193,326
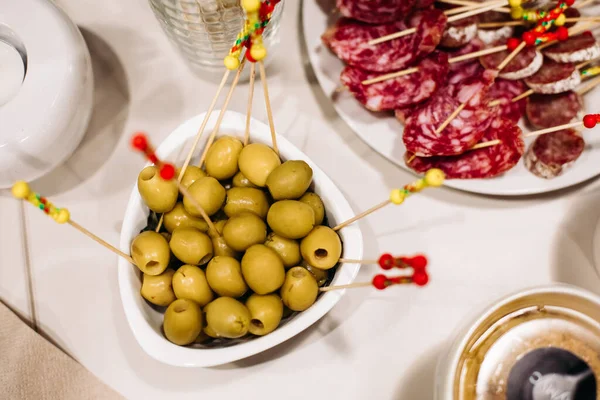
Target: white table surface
x,y
381,345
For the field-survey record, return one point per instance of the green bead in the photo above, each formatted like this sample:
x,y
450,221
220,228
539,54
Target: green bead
x,y
41,207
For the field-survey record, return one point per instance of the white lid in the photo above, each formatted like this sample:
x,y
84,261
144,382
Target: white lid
x,y
13,72
43,118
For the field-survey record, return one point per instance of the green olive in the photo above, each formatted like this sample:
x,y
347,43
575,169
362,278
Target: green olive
x,y
246,199
183,322
189,282
266,312
289,180
262,269
244,230
222,157
224,275
220,247
159,195
191,246
150,252
257,161
300,289
227,318
158,289
192,174
291,219
208,193
240,180
315,202
320,275
179,217
287,249
322,247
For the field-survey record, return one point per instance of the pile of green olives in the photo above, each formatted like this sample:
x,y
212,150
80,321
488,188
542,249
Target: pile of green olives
x,y
268,254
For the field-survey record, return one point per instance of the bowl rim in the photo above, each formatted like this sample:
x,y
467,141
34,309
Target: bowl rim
x,y
153,342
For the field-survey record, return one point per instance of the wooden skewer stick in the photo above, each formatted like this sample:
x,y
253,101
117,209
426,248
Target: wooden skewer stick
x,y
583,3
211,107
471,3
588,86
351,261
249,108
452,60
22,191
465,9
381,282
199,208
433,178
263,78
521,23
453,18
222,112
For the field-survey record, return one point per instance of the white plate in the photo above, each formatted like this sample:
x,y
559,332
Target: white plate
x,y
146,322
383,132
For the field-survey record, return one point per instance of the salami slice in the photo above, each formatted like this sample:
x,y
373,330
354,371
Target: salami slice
x,y
575,49
552,154
547,110
398,92
487,162
504,91
525,64
494,35
459,33
375,11
403,113
462,133
554,78
349,40
424,3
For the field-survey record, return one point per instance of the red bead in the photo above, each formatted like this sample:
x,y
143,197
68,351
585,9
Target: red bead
x,y
260,31
249,57
529,38
43,200
167,172
562,33
569,2
380,282
417,262
420,278
512,43
386,261
590,121
153,159
139,141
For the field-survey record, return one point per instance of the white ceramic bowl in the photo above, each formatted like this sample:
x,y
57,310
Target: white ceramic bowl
x,y
145,322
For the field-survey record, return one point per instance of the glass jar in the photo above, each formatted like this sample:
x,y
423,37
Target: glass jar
x,y
204,30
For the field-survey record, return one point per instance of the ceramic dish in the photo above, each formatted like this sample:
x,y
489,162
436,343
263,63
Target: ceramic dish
x,y
146,322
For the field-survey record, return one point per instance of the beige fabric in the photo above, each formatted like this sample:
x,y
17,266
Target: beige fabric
x,y
33,368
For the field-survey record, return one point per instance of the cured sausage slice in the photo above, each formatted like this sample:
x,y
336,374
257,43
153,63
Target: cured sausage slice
x,y
349,41
375,11
397,92
504,91
459,33
554,78
575,49
494,35
487,162
547,110
553,153
525,64
462,133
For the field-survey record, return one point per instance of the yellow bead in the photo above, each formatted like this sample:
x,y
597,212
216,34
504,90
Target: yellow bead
x,y
251,5
514,3
258,52
434,177
231,62
397,196
560,21
419,185
63,216
20,190
516,13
